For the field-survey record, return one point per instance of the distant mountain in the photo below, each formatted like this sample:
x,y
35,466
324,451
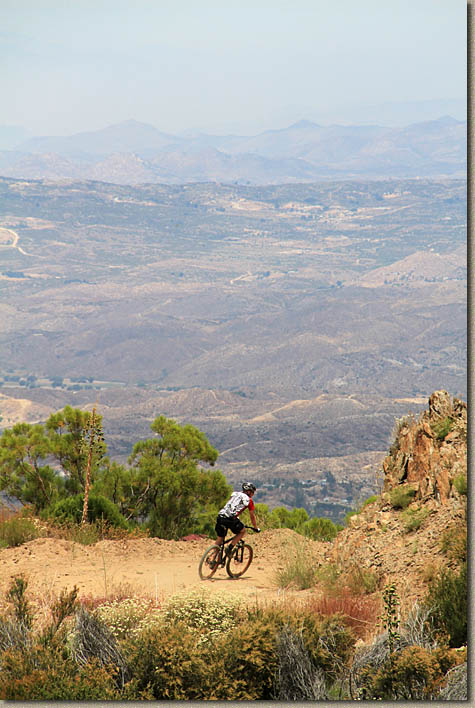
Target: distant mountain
x,y
129,136
134,153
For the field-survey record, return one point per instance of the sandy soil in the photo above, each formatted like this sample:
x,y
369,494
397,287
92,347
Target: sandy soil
x,y
148,567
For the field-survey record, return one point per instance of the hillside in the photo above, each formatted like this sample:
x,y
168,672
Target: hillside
x,y
392,544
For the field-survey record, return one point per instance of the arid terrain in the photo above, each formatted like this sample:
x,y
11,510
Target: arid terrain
x,y
392,543
157,569
291,323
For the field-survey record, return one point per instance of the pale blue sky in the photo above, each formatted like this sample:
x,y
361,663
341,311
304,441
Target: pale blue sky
x,y
224,66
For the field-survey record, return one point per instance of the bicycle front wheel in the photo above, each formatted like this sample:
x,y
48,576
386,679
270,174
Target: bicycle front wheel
x,y
239,561
209,562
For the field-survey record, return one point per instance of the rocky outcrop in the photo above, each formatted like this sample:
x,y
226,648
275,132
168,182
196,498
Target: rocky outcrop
x,y
430,453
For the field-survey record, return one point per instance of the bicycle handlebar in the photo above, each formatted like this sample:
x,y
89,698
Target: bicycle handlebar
x,y
252,529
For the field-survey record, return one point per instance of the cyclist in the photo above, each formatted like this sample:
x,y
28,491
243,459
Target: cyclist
x,y
228,516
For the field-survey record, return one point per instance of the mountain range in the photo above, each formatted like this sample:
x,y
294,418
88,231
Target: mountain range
x,y
135,153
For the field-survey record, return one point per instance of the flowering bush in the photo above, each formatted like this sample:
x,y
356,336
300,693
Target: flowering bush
x,y
211,615
129,617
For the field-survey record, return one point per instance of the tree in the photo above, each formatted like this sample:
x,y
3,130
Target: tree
x,y
170,490
24,474
41,464
66,431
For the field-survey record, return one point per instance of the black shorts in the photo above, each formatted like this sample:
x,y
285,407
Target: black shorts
x,y
223,523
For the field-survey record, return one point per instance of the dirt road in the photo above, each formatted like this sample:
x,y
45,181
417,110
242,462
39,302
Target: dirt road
x,y
152,568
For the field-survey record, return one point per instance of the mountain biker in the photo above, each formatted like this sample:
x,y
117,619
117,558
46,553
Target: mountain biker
x,y
228,516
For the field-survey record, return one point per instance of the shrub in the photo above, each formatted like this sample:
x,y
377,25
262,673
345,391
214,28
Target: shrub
x,y
170,665
13,634
91,640
249,661
453,542
412,674
446,601
360,581
99,507
206,614
460,484
417,628
328,575
44,673
298,569
128,617
455,684
20,605
16,531
401,496
358,612
297,678
320,529
413,519
441,428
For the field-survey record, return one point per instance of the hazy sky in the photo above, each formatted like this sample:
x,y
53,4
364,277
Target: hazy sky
x,y
223,65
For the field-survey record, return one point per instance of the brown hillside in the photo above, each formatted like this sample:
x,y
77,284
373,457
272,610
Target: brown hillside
x,y
428,456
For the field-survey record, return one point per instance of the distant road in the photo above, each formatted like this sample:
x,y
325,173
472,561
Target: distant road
x,y
14,244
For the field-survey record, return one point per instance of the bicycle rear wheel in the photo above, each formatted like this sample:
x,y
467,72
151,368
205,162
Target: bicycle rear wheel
x,y
209,562
239,561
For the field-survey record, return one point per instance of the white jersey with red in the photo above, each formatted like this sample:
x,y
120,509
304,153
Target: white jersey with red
x,y
237,503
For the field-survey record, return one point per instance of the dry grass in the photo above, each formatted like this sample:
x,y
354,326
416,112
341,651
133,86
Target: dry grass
x,y
360,612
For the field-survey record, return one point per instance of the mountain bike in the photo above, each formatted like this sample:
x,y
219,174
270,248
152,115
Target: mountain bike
x,y
236,564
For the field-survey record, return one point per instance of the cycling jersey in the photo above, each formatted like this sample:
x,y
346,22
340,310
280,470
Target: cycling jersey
x,y
237,503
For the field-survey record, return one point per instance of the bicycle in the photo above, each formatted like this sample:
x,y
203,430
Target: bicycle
x,y
236,564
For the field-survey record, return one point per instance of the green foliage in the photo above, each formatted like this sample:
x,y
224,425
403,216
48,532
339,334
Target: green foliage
x,y
169,489
115,482
390,617
414,673
18,530
170,665
320,529
401,496
298,520
460,484
414,518
44,673
441,428
25,451
99,508
68,434
24,473
21,606
446,601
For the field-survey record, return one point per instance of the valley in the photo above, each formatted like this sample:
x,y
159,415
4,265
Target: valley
x,y
291,323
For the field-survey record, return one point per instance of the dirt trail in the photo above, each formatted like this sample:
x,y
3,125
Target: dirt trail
x,y
150,567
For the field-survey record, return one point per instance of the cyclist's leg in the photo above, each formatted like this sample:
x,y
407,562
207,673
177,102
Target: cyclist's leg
x,y
239,530
221,531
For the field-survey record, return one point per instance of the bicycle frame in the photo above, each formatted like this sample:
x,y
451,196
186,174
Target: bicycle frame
x,y
241,555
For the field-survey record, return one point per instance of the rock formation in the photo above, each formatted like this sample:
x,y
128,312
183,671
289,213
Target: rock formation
x,y
431,453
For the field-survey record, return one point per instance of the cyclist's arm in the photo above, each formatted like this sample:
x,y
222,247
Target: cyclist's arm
x,y
253,518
